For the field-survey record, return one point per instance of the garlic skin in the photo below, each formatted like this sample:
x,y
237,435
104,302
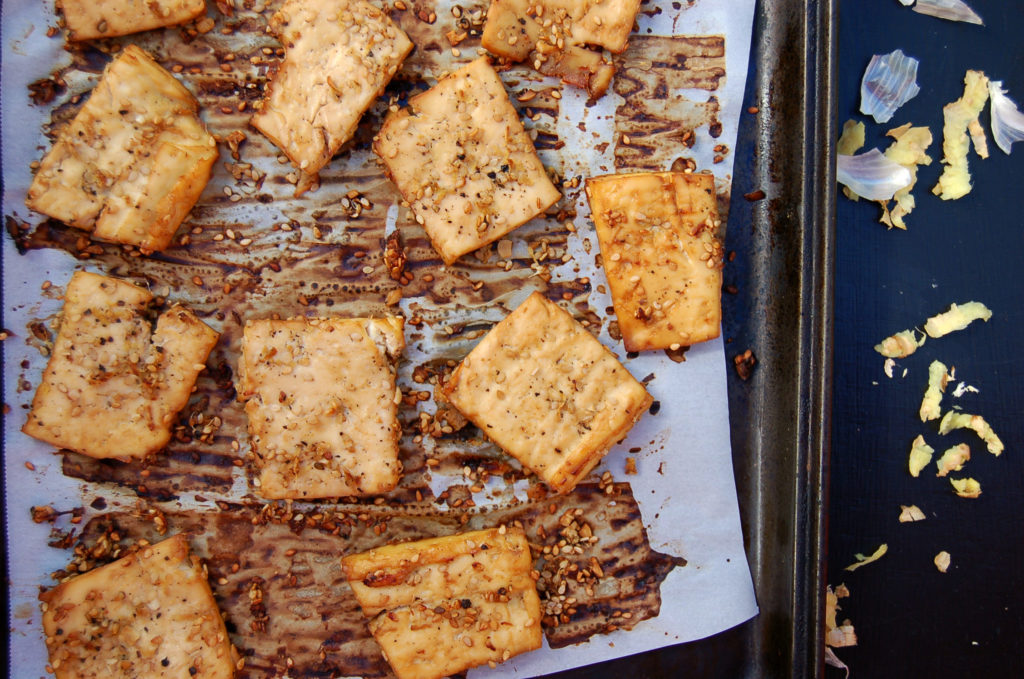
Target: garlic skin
x,y
889,81
871,175
952,10
1007,120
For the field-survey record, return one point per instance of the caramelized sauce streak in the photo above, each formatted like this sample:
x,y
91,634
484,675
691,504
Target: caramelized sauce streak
x,y
313,620
654,117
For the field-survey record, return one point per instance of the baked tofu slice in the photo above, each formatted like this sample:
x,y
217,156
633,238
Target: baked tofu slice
x,y
438,607
149,614
340,55
661,250
133,162
551,36
545,390
114,383
322,404
91,19
462,160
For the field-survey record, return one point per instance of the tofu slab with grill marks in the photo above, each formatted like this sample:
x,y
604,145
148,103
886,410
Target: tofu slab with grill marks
x,y
461,158
320,395
114,383
551,35
133,162
91,19
339,57
545,390
440,606
148,614
661,251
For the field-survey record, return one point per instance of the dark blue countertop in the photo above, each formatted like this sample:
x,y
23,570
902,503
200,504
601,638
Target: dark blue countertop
x,y
912,620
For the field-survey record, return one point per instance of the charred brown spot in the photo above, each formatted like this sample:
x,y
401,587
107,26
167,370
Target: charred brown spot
x,y
744,364
384,578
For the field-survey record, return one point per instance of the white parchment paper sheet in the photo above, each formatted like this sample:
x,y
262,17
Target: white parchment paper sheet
x,y
690,509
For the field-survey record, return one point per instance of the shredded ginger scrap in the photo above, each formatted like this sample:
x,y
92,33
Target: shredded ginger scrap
x,y
920,456
938,378
958,317
968,488
836,635
953,459
911,514
865,560
852,138
976,423
963,388
958,117
900,345
909,151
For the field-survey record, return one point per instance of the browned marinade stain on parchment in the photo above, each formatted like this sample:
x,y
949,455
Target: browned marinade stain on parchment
x,y
655,122
250,249
275,570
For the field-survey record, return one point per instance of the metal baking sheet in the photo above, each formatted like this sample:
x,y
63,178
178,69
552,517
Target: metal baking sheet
x,y
778,277
247,256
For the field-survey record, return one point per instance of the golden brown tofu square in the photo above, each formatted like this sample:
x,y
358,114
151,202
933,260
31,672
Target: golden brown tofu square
x,y
551,35
148,614
132,162
462,160
545,390
661,251
339,57
91,19
114,383
322,404
440,606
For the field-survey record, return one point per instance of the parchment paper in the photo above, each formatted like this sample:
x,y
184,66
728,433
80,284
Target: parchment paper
x,y
685,484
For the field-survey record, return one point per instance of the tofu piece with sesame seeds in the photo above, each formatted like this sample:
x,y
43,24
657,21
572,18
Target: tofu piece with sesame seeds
x,y
662,254
133,162
322,404
115,383
547,392
92,19
440,606
462,160
552,35
148,614
339,57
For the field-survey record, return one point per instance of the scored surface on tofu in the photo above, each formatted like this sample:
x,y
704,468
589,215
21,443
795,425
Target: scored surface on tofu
x,y
340,55
461,158
91,19
321,400
114,384
149,614
661,251
545,390
550,35
133,162
444,605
